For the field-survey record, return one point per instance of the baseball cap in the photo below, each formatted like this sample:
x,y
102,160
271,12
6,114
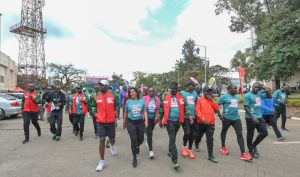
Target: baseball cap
x,y
103,83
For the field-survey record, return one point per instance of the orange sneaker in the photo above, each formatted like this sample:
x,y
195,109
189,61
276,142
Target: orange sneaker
x,y
184,152
224,150
245,156
191,154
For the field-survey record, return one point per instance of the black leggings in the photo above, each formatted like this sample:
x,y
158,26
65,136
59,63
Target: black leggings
x,y
149,131
136,131
209,132
237,125
281,110
261,129
189,132
271,119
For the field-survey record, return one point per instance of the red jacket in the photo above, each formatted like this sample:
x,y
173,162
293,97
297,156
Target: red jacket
x,y
105,108
83,105
205,110
29,104
167,105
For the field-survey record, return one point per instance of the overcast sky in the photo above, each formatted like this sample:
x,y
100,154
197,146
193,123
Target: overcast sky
x,y
125,36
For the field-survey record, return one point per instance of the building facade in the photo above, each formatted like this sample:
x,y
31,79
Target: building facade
x,y
8,72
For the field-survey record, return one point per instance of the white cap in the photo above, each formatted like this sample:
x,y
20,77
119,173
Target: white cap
x,y
104,82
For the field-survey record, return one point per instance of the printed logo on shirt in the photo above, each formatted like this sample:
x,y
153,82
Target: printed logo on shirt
x,y
151,107
136,110
190,100
181,101
174,103
283,96
99,101
258,102
234,103
110,100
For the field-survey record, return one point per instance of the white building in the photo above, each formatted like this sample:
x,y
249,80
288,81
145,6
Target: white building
x,y
8,72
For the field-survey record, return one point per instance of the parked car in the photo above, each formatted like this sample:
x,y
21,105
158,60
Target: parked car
x,y
17,95
9,106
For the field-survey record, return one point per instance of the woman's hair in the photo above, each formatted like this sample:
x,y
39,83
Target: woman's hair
x,y
136,91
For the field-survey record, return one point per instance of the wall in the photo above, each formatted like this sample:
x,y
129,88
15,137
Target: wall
x,y
8,72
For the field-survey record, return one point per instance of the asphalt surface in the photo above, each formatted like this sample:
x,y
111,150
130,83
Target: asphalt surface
x,y
43,157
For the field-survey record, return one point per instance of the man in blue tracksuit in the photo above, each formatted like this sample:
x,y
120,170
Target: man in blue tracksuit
x,y
269,113
280,105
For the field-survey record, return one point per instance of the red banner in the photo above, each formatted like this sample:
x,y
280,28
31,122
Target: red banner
x,y
242,78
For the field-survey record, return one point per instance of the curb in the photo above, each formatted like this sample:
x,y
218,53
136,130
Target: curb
x,y
295,118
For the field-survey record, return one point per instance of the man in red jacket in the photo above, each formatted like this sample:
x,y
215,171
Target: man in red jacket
x,y
106,112
172,113
206,107
78,110
30,110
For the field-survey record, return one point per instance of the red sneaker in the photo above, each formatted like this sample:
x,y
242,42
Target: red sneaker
x,y
224,150
245,156
184,152
191,154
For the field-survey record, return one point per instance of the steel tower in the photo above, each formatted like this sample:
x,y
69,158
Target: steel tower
x,y
31,35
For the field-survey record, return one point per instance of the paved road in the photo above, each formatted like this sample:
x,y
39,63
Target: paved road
x,y
43,157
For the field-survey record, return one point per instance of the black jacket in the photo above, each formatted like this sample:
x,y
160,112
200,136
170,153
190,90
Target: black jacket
x,y
56,98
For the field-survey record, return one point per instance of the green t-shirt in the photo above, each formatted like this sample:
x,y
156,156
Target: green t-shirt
x,y
174,110
190,98
253,101
279,96
151,109
230,104
135,108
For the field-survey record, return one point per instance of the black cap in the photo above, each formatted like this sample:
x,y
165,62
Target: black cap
x,y
206,88
190,83
78,86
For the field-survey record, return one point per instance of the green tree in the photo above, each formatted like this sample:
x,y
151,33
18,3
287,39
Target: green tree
x,y
280,35
117,79
66,75
219,72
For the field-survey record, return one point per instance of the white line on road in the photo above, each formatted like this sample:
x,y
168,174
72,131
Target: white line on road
x,y
290,142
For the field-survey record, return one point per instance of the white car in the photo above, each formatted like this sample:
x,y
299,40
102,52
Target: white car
x,y
9,106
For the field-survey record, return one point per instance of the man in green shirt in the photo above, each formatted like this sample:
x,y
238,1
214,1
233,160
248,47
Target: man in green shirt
x,y
254,119
189,125
280,97
230,104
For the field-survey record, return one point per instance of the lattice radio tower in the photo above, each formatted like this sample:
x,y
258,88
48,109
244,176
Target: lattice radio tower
x,y
31,35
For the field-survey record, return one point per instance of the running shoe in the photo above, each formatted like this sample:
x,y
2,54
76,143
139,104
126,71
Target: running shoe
x,y
100,166
184,152
191,154
224,150
212,159
246,157
113,150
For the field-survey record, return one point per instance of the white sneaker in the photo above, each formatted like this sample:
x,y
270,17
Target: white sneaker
x,y
113,150
151,154
100,166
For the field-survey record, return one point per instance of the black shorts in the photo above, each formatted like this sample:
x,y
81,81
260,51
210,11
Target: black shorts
x,y
105,130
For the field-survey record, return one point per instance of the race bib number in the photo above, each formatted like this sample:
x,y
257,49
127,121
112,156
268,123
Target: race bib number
x,y
234,103
257,102
174,103
190,100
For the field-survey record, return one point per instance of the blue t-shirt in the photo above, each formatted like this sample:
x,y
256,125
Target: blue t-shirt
x,y
190,98
253,101
230,104
135,108
280,96
174,110
151,109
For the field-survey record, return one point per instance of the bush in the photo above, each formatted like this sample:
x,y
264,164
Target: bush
x,y
294,102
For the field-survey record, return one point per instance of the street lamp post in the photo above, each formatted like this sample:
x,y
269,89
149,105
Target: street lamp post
x,y
0,32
